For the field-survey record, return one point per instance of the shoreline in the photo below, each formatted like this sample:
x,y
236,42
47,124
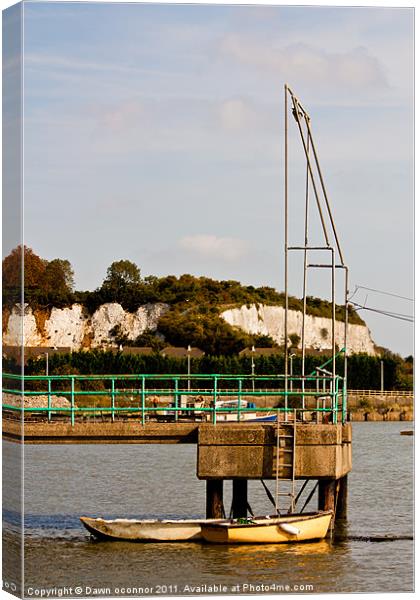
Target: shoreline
x,y
361,416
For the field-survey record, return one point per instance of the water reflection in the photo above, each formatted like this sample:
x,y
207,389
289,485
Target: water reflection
x,y
321,547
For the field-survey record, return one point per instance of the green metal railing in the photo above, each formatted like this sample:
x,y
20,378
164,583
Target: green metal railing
x,y
176,396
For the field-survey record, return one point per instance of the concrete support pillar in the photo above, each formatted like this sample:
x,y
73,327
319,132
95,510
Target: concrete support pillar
x,y
326,494
342,498
239,498
214,499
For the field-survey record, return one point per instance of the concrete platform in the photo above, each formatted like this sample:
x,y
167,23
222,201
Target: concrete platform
x,y
131,432
224,451
250,451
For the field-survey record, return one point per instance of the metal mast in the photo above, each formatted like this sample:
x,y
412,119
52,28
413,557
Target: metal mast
x,y
315,184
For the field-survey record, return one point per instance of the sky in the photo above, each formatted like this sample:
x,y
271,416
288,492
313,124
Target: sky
x,y
155,133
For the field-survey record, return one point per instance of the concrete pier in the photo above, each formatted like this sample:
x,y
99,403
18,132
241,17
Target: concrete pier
x,y
233,451
248,451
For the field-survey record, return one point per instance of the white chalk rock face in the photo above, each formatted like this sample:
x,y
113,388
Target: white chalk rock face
x,y
66,327
104,320
16,331
73,328
269,320
109,316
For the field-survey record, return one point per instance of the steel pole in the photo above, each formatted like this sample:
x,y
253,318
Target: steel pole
x,y
321,179
346,322
253,368
321,216
305,274
382,376
189,367
286,242
333,310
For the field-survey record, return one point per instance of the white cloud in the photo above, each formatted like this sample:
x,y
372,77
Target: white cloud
x,y
236,114
303,62
211,246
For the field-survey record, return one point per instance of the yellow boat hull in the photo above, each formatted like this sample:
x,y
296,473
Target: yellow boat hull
x,y
274,530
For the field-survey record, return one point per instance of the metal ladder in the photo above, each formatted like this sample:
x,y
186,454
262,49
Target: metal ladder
x,y
285,446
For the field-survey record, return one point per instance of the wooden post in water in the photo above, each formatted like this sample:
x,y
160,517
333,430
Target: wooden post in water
x,y
342,498
214,499
326,494
239,498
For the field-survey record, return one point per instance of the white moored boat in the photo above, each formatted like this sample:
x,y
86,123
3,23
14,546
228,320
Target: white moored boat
x,y
146,530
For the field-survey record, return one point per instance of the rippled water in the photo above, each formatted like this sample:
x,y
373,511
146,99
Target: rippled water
x,y
64,482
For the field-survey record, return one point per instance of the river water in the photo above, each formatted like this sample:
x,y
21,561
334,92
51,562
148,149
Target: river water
x,y
63,482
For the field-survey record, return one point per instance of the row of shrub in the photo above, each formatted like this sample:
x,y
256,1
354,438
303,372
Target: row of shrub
x,y
364,371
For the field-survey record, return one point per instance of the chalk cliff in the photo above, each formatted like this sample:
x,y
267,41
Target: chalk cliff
x,y
269,320
73,327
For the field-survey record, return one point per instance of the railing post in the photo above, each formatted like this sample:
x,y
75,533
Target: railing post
x,y
112,399
344,403
49,399
176,399
239,398
143,398
214,398
72,401
335,410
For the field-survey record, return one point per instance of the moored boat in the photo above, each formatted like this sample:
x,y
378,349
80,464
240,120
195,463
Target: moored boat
x,y
269,530
146,530
266,418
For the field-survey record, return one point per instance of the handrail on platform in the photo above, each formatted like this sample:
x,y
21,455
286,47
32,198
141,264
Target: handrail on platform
x,y
176,396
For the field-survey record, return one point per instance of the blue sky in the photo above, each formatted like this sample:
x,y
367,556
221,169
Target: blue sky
x,y
155,133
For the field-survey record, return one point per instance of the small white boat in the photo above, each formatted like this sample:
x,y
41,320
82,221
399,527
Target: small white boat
x,y
231,417
146,530
250,416
229,412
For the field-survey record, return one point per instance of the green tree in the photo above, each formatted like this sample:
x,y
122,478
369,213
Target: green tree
x,y
262,340
122,284
45,282
122,273
34,268
59,277
294,340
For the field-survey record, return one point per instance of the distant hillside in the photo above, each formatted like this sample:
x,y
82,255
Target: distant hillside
x,y
177,310
205,294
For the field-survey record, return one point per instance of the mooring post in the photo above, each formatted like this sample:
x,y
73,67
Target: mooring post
x,y
342,498
239,498
326,494
214,499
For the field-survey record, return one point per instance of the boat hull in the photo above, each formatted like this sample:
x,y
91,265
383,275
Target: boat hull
x,y
144,530
277,530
